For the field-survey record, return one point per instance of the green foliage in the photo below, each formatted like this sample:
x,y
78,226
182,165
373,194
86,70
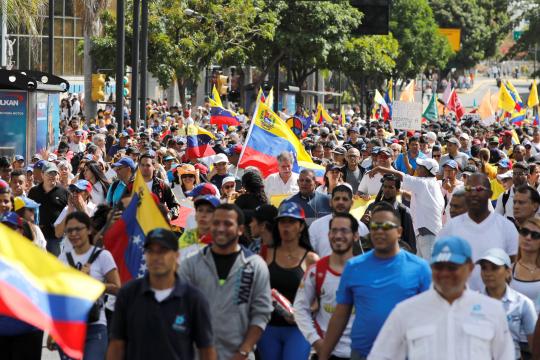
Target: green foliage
x,y
483,24
420,44
530,38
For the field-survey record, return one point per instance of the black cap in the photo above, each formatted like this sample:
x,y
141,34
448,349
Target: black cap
x,y
163,237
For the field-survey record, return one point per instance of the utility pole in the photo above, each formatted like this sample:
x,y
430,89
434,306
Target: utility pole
x,y
276,88
120,45
135,66
51,37
144,57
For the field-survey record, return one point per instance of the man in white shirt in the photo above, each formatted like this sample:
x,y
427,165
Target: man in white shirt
x,y
427,202
372,185
448,321
482,228
341,202
321,282
284,182
505,202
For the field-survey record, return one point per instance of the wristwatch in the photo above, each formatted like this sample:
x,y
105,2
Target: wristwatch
x,y
244,353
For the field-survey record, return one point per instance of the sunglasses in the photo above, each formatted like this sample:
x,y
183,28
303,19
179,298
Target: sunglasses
x,y
478,188
387,225
448,266
526,232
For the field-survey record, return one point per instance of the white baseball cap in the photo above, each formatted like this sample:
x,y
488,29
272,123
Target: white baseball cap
x,y
430,164
219,158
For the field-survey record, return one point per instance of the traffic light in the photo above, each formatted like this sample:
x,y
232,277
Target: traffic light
x,y
98,87
127,85
222,84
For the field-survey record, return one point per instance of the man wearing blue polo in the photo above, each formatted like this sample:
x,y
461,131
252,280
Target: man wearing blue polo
x,y
374,283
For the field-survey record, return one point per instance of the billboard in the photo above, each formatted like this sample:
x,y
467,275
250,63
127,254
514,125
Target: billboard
x,y
13,114
453,36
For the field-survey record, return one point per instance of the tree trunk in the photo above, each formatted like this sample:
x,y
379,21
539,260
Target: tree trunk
x,y
194,86
181,90
90,107
241,86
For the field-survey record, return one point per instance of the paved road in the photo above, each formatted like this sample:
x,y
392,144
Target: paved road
x,y
483,84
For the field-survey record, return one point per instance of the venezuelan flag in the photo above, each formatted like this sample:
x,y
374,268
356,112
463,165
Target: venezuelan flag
x,y
221,116
125,238
269,137
38,289
518,117
198,142
322,115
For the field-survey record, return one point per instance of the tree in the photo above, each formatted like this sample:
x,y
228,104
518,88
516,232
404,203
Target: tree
x,y
483,24
420,43
529,39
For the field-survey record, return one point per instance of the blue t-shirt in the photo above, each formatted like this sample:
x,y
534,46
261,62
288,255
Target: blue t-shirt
x,y
400,163
114,198
374,286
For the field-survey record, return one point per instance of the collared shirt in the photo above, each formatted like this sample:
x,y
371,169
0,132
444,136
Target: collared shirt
x,y
161,330
318,234
274,185
52,204
315,205
427,202
400,163
520,314
426,326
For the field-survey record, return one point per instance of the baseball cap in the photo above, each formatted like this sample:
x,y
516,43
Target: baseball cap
x,y
203,189
18,158
54,157
375,150
325,131
24,202
163,237
11,219
386,151
469,170
430,164
505,176
265,213
505,163
494,139
506,133
40,164
339,150
30,169
431,136
132,150
496,256
208,199
453,140
37,156
125,161
228,179
81,185
451,249
168,158
451,163
49,167
465,136
220,158
291,210
78,133
123,134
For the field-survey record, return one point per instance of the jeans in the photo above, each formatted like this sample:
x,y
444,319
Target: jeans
x,y
53,246
95,345
283,343
424,245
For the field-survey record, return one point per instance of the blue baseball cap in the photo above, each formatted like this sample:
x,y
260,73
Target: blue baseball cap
x,y
40,164
123,134
451,249
11,219
81,185
212,200
505,163
451,163
291,210
125,161
19,158
496,256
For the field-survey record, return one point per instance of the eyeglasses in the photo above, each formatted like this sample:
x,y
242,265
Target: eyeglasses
x,y
448,266
526,232
387,225
344,231
74,229
478,188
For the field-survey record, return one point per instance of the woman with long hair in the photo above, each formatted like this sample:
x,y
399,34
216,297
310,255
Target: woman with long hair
x,y
100,184
64,172
526,269
186,177
332,177
65,109
287,261
253,192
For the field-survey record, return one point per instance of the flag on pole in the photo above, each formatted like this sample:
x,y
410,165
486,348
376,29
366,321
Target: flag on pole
x,y
506,101
215,100
447,93
485,110
269,137
322,115
517,117
270,99
408,93
532,101
388,98
220,116
342,115
38,289
431,113
198,142
515,95
384,106
125,238
455,105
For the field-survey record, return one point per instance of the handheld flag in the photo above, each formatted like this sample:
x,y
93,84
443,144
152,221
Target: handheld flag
x,y
296,125
517,117
38,289
198,142
506,101
215,100
269,137
515,95
125,238
431,113
485,110
220,116
342,115
388,98
322,115
447,93
270,99
384,106
533,95
455,105
408,93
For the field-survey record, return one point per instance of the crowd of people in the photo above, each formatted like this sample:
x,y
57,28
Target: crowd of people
x,y
443,263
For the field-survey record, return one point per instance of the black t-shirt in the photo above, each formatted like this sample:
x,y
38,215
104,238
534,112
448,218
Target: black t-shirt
x,y
224,263
161,330
52,204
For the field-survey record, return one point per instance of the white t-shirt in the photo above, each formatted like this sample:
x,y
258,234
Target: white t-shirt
x,y
448,196
273,185
318,235
370,185
101,266
98,194
427,202
90,210
161,295
494,232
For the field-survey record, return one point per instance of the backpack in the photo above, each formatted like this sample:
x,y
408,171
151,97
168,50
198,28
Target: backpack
x,y
321,268
95,310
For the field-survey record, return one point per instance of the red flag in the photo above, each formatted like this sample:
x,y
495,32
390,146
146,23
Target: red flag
x,y
455,105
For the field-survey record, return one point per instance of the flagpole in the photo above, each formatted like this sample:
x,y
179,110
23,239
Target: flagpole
x,y
248,134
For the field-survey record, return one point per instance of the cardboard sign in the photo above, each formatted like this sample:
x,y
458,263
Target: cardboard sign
x,y
407,115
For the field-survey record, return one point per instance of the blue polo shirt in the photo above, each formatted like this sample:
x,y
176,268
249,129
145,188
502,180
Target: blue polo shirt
x,y
374,286
400,163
